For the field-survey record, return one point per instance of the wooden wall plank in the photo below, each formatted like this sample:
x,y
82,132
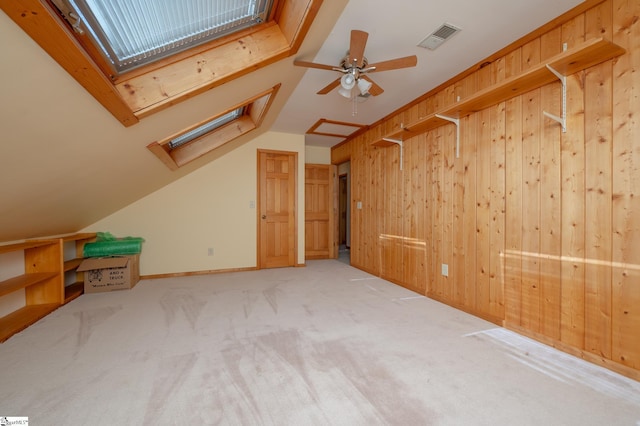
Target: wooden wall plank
x,y
429,225
437,175
497,223
469,158
483,210
388,229
626,181
483,198
531,118
458,255
598,175
448,163
550,207
573,208
513,198
414,272
464,88
374,225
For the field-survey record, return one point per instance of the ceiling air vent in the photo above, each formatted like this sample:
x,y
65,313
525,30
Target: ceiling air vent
x,y
439,36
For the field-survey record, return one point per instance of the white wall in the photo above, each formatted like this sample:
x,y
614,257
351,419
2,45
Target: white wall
x,y
210,207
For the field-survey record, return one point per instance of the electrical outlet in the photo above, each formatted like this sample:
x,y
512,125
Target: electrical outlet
x,y
210,251
445,270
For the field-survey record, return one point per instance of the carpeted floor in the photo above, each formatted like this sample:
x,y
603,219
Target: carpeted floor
x,y
326,344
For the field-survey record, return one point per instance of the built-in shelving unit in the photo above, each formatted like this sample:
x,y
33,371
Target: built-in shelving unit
x,y
75,289
43,280
583,56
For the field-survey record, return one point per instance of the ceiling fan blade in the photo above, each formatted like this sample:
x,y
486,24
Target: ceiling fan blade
x,y
313,65
394,64
356,48
329,87
375,90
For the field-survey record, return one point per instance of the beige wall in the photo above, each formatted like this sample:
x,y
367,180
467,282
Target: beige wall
x,y
317,155
211,207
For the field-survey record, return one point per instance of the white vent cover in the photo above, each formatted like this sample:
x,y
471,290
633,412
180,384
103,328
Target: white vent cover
x,y
439,36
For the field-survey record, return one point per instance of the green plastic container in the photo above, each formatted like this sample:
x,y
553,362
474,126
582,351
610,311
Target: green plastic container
x,y
108,245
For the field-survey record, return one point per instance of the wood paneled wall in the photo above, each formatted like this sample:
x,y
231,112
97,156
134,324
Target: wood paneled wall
x,y
540,229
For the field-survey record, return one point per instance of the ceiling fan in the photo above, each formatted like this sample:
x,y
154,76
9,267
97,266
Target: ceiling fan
x,y
355,67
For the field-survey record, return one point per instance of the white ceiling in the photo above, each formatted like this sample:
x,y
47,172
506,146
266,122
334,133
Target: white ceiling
x,y
395,29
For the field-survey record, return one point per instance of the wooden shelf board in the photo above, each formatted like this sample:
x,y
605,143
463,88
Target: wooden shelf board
x,y
23,318
386,143
382,143
586,55
25,245
23,281
569,62
429,122
71,264
583,56
79,237
73,291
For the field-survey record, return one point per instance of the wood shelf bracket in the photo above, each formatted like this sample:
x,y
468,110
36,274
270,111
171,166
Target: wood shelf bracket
x,y
455,121
562,119
399,143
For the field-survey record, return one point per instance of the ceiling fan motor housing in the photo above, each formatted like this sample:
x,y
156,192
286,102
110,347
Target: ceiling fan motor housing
x,y
348,66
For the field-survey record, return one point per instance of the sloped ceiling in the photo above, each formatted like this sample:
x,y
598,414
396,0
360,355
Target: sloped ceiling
x,y
394,30
65,162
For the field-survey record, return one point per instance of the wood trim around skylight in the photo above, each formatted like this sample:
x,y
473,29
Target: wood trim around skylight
x,y
145,91
255,110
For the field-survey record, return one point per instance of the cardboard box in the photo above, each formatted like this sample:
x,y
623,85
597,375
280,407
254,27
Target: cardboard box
x,y
110,273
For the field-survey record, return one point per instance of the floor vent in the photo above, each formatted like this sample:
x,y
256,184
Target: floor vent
x,y
439,36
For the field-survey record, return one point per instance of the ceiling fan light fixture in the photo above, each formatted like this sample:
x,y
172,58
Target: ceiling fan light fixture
x,y
364,86
348,81
345,92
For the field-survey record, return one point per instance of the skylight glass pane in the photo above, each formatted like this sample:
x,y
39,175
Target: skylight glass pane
x,y
207,127
135,32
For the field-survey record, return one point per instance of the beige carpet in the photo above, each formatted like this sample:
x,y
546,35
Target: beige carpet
x,y
322,345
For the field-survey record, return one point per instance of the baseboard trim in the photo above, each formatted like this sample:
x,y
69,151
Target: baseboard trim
x,y
207,272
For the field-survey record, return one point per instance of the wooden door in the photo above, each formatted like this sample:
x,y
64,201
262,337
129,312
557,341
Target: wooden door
x,y
320,212
277,232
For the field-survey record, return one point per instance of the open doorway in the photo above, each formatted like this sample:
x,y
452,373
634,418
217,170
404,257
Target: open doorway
x,y
344,212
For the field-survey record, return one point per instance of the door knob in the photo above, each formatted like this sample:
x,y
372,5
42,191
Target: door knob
x,y
264,216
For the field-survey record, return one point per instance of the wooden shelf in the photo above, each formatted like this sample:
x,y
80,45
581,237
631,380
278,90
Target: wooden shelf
x,y
71,264
24,281
22,246
87,236
43,280
73,291
588,54
23,318
76,289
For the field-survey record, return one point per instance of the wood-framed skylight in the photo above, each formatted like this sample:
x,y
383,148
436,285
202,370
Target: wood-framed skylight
x,y
195,141
149,89
128,34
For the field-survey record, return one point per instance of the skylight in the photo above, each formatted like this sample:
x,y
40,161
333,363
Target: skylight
x,y
131,33
205,128
192,143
